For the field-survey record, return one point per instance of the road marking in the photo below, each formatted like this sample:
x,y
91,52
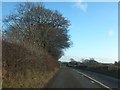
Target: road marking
x,y
92,82
93,79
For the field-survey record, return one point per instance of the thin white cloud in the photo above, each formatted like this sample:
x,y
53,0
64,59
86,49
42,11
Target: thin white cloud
x,y
110,33
81,5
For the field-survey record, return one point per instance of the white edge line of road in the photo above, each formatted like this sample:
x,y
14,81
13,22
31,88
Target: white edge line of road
x,y
93,79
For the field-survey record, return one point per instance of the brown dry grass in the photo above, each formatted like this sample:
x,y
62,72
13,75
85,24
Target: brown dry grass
x,y
24,68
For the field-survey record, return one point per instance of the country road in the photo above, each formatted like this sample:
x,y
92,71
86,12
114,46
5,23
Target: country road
x,y
72,78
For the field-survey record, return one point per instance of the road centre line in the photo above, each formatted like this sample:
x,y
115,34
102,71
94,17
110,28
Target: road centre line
x,y
92,82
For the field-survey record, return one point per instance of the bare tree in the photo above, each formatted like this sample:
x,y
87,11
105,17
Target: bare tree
x,y
37,25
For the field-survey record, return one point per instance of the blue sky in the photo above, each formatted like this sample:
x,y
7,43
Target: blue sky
x,y
93,30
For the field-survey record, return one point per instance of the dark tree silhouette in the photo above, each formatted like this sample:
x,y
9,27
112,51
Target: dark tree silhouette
x,y
39,26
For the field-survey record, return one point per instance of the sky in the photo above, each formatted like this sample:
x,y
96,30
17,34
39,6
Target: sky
x,y
93,30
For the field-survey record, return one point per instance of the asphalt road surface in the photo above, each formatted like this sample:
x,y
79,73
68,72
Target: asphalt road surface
x,y
104,79
72,78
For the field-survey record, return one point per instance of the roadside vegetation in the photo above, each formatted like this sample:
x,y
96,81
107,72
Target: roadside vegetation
x,y
104,68
33,40
110,69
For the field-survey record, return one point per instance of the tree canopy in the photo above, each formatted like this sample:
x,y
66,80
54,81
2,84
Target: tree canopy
x,y
90,61
39,26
